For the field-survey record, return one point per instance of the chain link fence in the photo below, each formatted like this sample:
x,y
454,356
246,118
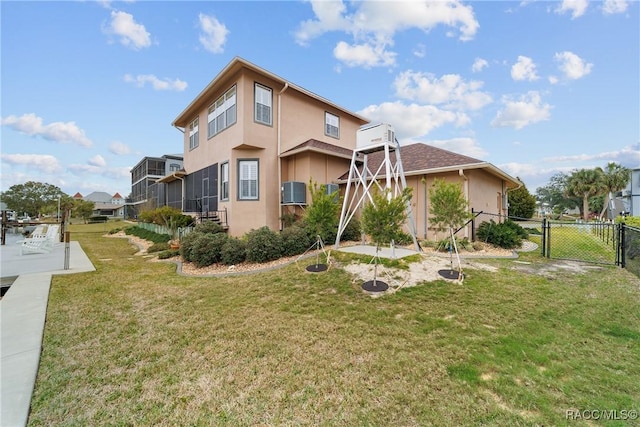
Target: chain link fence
x,y
629,250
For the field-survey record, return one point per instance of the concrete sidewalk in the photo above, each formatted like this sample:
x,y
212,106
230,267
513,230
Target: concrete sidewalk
x,y
23,311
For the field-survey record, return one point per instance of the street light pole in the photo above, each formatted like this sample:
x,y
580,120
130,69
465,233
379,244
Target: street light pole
x,y
58,217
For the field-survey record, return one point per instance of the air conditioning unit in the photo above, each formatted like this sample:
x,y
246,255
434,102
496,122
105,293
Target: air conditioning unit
x,y
375,135
626,193
332,188
294,192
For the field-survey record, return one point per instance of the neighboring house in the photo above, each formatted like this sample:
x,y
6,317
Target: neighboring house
x,y
145,188
252,142
630,197
105,204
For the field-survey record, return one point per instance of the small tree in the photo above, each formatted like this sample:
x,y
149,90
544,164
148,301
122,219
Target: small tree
x,y
322,215
83,209
448,207
383,219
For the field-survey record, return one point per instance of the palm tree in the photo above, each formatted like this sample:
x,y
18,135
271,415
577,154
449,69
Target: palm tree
x,y
615,177
585,183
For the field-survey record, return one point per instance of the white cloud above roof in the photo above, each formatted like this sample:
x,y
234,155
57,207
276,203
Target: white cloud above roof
x,y
42,162
611,7
524,69
32,125
213,34
373,25
521,112
119,148
577,8
130,33
156,83
450,90
572,65
479,64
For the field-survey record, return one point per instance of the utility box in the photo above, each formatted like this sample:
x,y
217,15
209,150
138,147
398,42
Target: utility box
x,y
375,135
294,193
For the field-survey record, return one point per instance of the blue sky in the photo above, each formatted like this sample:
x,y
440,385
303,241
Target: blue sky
x,y
533,87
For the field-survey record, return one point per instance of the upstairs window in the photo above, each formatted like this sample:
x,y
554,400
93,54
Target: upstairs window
x,y
193,134
174,167
248,179
262,104
331,125
224,181
222,113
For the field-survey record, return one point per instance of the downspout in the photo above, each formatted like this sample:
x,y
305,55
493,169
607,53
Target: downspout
x,y
424,181
505,191
465,188
279,161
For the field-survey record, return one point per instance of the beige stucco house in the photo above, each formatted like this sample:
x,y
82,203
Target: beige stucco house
x,y
253,140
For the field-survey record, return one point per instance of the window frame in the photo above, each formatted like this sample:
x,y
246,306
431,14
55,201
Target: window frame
x,y
257,86
220,108
223,181
194,142
327,116
240,195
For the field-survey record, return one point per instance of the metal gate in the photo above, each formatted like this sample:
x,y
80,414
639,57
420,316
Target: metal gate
x,y
593,242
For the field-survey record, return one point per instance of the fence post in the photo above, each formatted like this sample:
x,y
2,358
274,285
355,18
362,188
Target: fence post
x,y
473,226
547,245
622,255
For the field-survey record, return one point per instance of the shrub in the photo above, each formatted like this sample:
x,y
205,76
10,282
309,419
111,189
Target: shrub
x,y
263,245
295,240
186,246
207,249
168,254
158,247
234,251
503,234
208,227
520,231
353,231
152,236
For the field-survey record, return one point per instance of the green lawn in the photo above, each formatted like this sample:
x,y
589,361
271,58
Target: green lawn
x,y
136,344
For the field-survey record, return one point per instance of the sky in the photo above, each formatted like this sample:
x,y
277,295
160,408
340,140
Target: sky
x,y
88,88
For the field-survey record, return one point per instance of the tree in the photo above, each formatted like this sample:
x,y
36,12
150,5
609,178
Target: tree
x,y
614,177
448,207
585,183
382,219
31,197
83,209
323,214
522,204
555,195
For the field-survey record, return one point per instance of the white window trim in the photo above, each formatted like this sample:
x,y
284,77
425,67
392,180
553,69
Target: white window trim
x,y
221,107
223,181
259,93
333,121
241,171
193,131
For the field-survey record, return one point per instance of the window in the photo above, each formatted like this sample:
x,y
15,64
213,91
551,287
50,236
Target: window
x,y
263,104
222,113
331,125
174,167
248,180
224,181
193,134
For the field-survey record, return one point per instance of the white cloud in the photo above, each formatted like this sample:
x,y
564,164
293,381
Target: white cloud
x,y
465,146
572,65
158,84
214,33
576,7
611,7
131,33
31,125
373,25
524,69
526,110
363,55
413,120
450,90
629,156
98,161
42,162
420,51
119,148
479,64
553,80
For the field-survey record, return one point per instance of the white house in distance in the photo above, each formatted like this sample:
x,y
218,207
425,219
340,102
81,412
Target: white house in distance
x,y
105,204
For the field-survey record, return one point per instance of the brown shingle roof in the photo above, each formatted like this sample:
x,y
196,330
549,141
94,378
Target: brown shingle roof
x,y
421,157
319,146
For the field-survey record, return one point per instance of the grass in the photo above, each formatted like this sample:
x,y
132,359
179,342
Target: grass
x,y
133,343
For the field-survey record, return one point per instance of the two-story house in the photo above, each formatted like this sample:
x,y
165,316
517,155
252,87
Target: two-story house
x,y
253,140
